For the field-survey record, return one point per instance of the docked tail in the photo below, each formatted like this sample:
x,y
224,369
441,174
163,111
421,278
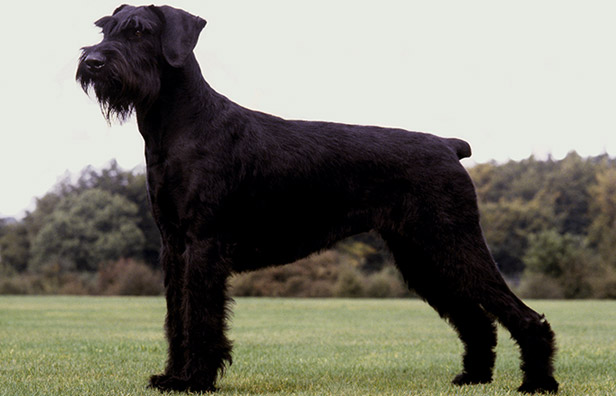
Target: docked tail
x,y
461,148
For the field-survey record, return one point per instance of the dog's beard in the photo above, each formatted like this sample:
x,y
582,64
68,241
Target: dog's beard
x,y
114,105
118,90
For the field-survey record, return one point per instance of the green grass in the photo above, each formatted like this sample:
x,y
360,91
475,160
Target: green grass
x,y
110,346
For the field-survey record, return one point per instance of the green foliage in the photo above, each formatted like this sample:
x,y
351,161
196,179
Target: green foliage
x,y
570,184
507,224
568,205
73,346
602,233
14,248
561,262
563,186
129,278
85,230
122,277
44,208
349,284
130,185
540,286
552,254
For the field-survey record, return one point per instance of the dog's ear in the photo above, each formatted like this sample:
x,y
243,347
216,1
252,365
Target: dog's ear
x,y
180,33
103,21
119,9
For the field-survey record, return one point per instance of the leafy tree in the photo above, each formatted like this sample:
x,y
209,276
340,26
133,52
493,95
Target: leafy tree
x,y
602,231
521,180
129,184
14,247
570,183
45,206
86,229
563,259
520,198
132,186
506,226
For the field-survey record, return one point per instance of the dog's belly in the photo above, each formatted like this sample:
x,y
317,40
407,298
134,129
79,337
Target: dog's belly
x,y
284,240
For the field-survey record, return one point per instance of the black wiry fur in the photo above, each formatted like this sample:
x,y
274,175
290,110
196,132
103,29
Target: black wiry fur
x,y
234,190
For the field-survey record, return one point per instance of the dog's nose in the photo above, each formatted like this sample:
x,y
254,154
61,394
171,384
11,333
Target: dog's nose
x,y
95,61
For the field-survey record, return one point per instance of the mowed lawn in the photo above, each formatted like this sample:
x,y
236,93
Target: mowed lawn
x,y
110,346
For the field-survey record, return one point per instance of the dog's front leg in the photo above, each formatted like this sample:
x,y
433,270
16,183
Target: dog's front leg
x,y
173,266
204,309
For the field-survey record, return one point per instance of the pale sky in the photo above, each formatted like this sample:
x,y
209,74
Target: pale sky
x,y
512,78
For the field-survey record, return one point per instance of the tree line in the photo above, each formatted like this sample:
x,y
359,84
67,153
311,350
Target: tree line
x,y
550,224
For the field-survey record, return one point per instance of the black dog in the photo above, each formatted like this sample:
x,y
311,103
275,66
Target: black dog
x,y
234,190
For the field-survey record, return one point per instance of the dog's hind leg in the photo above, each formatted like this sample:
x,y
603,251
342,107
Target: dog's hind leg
x,y
477,332
475,328
533,334
455,273
529,329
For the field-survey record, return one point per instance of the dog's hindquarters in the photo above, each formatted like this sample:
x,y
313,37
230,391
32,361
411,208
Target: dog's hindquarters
x,y
443,256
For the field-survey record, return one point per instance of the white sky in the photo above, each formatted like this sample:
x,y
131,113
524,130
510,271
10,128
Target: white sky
x,y
512,78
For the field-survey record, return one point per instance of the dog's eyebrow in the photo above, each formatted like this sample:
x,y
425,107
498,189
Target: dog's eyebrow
x,y
136,22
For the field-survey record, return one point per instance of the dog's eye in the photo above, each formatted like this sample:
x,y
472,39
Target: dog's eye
x,y
134,33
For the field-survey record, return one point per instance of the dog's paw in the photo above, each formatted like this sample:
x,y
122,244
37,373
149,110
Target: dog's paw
x,y
165,383
544,385
194,383
465,378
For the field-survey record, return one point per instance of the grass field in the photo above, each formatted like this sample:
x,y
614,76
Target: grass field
x,y
110,346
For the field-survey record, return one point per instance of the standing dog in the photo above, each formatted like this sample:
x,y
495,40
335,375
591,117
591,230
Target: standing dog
x,y
235,190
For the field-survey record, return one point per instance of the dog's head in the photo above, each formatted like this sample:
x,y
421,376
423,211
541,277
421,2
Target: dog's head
x,y
139,43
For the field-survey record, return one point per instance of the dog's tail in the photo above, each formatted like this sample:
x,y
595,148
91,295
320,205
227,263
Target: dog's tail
x,y
460,147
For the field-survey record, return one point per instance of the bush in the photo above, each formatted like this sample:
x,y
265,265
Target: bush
x,y
48,283
15,285
387,283
329,274
603,282
349,284
314,276
79,284
129,277
540,286
560,259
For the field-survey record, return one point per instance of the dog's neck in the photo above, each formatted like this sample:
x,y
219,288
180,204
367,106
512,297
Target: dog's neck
x,y
184,94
